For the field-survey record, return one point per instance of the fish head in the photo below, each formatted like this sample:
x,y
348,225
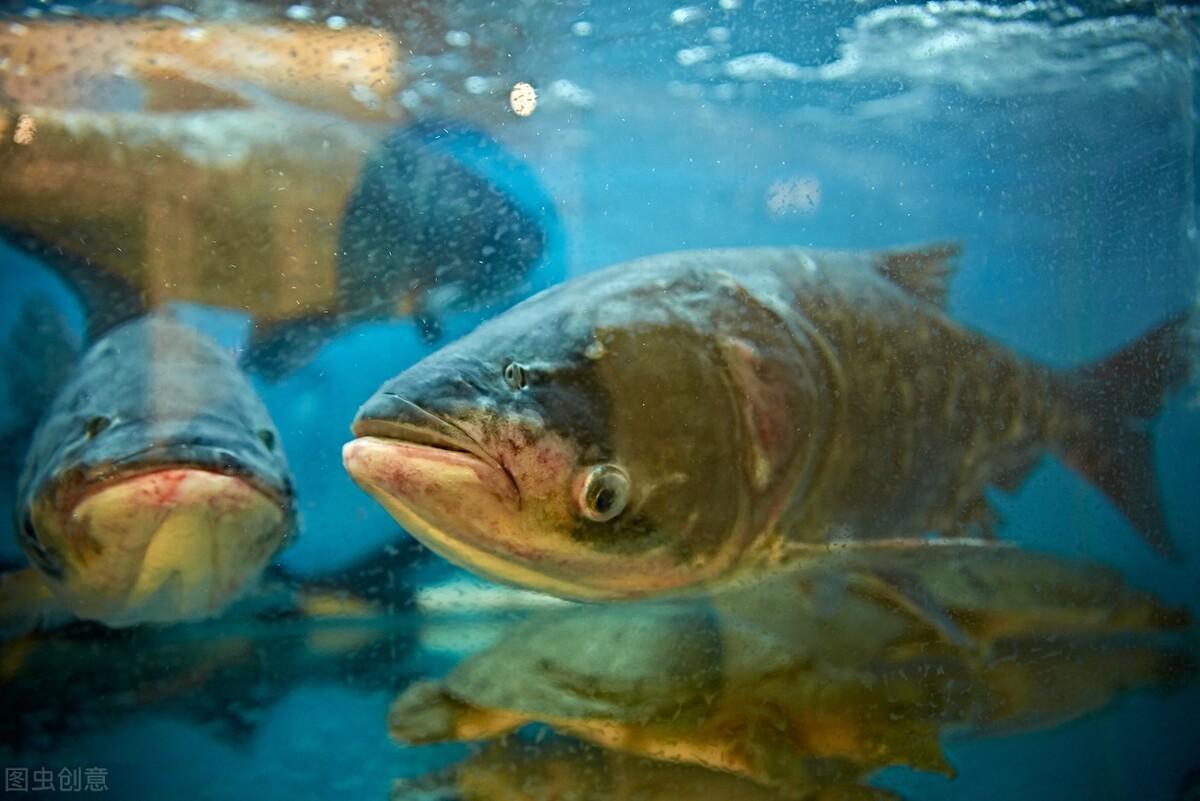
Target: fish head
x,y
574,448
154,500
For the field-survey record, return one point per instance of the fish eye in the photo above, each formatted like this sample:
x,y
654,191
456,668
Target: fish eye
x,y
267,437
96,424
515,375
604,494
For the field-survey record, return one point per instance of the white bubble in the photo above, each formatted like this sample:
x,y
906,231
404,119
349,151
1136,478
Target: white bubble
x,y
522,99
686,15
176,13
26,130
411,100
761,67
799,195
719,34
689,56
582,28
458,38
336,23
730,5
300,13
478,85
572,93
364,95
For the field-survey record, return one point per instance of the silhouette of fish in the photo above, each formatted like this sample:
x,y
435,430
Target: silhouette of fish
x,y
255,167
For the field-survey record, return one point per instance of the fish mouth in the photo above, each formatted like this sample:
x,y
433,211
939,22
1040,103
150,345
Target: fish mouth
x,y
69,490
437,481
161,545
390,417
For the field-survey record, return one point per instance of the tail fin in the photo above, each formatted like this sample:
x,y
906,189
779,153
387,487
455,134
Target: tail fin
x,y
1119,396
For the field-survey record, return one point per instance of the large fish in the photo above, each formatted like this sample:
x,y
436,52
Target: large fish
x,y
155,488
692,417
256,167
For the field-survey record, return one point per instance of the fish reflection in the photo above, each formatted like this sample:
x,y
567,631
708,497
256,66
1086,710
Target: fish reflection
x,y
813,679
519,770
259,167
226,674
155,488
689,418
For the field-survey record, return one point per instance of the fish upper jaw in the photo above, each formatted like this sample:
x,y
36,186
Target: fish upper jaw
x,y
392,417
214,448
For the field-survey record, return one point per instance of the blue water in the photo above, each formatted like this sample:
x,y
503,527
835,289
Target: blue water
x,y
1057,144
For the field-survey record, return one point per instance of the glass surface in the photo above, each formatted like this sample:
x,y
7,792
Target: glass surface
x,y
319,195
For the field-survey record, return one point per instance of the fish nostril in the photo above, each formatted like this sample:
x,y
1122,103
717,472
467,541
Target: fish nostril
x,y
227,460
267,437
96,424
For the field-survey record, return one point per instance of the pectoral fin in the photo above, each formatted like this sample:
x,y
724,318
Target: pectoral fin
x,y
26,604
426,713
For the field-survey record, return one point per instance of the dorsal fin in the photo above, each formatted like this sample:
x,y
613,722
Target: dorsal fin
x,y
924,271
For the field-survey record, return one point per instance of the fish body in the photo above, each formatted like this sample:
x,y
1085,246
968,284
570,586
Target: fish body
x,y
681,419
258,170
155,488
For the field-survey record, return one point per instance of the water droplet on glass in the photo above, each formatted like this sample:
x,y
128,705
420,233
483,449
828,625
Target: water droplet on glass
x,y
522,99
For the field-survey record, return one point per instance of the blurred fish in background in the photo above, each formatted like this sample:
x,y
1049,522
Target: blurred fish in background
x,y
268,166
